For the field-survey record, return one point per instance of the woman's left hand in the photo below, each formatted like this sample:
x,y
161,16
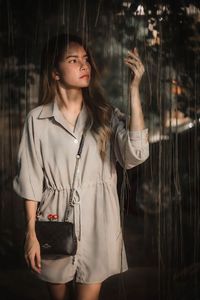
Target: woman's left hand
x,y
136,66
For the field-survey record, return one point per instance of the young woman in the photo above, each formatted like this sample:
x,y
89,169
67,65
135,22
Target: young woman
x,y
71,100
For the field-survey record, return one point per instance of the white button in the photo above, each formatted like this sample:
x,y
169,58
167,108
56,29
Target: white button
x,y
75,141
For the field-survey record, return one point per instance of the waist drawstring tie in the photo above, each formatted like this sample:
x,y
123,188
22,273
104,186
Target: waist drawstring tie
x,y
76,210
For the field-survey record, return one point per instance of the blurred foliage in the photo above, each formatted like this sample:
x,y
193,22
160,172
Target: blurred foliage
x,y
111,28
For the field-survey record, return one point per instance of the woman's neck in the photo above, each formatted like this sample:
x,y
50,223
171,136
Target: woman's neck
x,y
70,99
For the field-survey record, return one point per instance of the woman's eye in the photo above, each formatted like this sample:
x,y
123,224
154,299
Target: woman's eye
x,y
72,61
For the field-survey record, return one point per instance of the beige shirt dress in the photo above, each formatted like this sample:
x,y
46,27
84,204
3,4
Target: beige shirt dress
x,y
45,167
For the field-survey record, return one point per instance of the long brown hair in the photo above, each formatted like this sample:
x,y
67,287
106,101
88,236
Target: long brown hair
x,y
99,109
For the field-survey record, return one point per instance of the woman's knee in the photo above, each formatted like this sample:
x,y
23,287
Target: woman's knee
x,y
88,291
57,291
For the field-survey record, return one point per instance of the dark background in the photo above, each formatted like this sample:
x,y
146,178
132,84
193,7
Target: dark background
x,y
161,215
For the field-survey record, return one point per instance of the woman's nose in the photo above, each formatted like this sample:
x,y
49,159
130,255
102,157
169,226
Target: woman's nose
x,y
84,66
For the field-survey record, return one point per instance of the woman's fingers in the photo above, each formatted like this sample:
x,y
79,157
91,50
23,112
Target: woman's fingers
x,y
32,254
137,69
134,54
34,262
133,59
137,64
134,69
38,259
27,260
134,62
135,50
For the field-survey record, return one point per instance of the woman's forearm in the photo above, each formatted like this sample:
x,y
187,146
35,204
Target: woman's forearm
x,y
137,119
31,246
136,66
30,211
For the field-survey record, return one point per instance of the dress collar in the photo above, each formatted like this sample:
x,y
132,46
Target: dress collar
x,y
52,110
47,110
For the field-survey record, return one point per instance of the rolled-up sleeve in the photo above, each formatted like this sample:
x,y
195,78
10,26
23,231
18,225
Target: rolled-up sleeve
x,y
131,148
28,182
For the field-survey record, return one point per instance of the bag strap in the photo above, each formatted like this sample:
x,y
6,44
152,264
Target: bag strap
x,y
78,156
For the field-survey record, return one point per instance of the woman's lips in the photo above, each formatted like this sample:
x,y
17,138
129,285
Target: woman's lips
x,y
84,76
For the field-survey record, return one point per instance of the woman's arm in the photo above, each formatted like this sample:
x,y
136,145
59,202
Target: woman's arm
x,y
135,64
32,247
137,119
131,147
30,211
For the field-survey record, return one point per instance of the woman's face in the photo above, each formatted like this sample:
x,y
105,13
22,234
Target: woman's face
x,y
74,71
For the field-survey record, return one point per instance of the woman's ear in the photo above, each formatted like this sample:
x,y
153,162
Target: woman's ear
x,y
55,75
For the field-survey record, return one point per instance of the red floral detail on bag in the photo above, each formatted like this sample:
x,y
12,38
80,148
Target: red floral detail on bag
x,y
52,217
55,217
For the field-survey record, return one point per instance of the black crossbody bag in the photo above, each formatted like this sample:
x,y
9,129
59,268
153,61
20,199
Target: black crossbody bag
x,y
57,237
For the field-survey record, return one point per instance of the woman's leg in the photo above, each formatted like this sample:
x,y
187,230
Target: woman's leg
x,y
57,291
88,291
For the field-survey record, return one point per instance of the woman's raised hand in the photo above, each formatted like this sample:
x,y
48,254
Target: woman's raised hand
x,y
32,252
134,62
